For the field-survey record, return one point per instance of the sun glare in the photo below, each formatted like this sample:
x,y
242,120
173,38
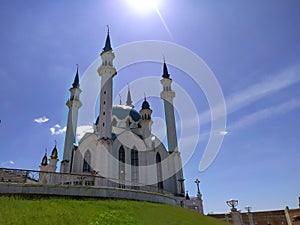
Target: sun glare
x,y
143,6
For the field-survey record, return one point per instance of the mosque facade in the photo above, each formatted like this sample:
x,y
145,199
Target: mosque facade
x,y
121,152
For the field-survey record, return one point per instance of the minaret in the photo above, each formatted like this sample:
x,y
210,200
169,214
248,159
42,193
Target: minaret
x,y
129,101
73,104
146,122
43,168
44,161
106,71
168,95
53,160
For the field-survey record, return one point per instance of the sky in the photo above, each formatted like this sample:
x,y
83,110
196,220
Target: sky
x,y
251,47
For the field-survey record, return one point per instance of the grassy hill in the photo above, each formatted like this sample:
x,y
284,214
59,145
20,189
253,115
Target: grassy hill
x,y
55,211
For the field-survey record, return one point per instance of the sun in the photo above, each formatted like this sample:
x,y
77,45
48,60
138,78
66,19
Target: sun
x,y
143,6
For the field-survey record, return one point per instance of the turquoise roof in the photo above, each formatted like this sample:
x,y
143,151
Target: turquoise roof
x,y
121,112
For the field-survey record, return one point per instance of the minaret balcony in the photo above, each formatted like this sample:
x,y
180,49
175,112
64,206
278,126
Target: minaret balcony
x,y
107,70
167,95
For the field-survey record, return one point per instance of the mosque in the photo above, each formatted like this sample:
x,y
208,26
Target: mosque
x,y
121,152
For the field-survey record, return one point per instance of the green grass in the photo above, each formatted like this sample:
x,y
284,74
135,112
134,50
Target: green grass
x,y
57,211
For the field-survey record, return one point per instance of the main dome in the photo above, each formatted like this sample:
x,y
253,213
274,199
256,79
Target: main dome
x,y
122,111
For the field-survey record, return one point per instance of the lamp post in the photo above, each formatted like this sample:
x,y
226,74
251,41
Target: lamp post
x,y
235,215
250,218
197,181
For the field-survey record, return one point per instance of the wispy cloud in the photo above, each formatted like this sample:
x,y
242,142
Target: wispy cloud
x,y
7,163
265,113
270,85
41,120
57,129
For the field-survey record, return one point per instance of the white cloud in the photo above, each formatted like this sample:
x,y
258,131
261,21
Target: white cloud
x,y
82,130
265,113
41,120
223,132
56,129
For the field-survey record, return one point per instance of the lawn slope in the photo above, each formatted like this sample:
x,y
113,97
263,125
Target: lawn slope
x,y
55,211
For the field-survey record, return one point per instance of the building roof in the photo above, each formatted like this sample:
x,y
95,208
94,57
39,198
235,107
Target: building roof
x,y
122,111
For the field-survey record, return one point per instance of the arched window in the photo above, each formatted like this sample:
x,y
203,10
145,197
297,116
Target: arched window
x,y
128,123
134,168
87,161
121,155
121,167
160,184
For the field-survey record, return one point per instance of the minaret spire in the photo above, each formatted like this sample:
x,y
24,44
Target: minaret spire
x,y
76,79
120,99
165,70
107,46
129,101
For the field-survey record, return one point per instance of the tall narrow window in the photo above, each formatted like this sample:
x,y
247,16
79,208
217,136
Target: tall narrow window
x,y
121,167
159,172
87,161
134,168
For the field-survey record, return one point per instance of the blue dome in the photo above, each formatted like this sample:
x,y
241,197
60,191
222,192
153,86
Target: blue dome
x,y
121,112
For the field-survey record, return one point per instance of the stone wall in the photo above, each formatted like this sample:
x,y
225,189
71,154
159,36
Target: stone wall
x,y
84,192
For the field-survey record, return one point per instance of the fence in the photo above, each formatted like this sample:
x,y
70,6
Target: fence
x,y
71,179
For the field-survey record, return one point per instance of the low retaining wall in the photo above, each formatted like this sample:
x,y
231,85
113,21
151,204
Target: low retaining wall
x,y
84,192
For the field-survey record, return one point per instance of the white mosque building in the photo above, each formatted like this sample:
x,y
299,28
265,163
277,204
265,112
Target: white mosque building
x,y
121,152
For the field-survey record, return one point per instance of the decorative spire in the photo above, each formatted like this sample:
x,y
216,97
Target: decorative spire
x,y
165,70
76,80
187,197
54,154
129,101
107,46
120,99
45,159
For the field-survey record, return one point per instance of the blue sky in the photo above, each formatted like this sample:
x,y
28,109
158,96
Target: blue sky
x,y
252,47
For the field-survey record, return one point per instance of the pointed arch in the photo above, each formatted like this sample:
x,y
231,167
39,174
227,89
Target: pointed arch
x,y
134,168
87,161
160,183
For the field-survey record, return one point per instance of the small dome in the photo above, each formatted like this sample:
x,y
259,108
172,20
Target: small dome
x,y
145,104
44,160
54,154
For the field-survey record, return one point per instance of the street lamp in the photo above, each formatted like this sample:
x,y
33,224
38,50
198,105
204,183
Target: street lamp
x,y
250,218
197,181
232,203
